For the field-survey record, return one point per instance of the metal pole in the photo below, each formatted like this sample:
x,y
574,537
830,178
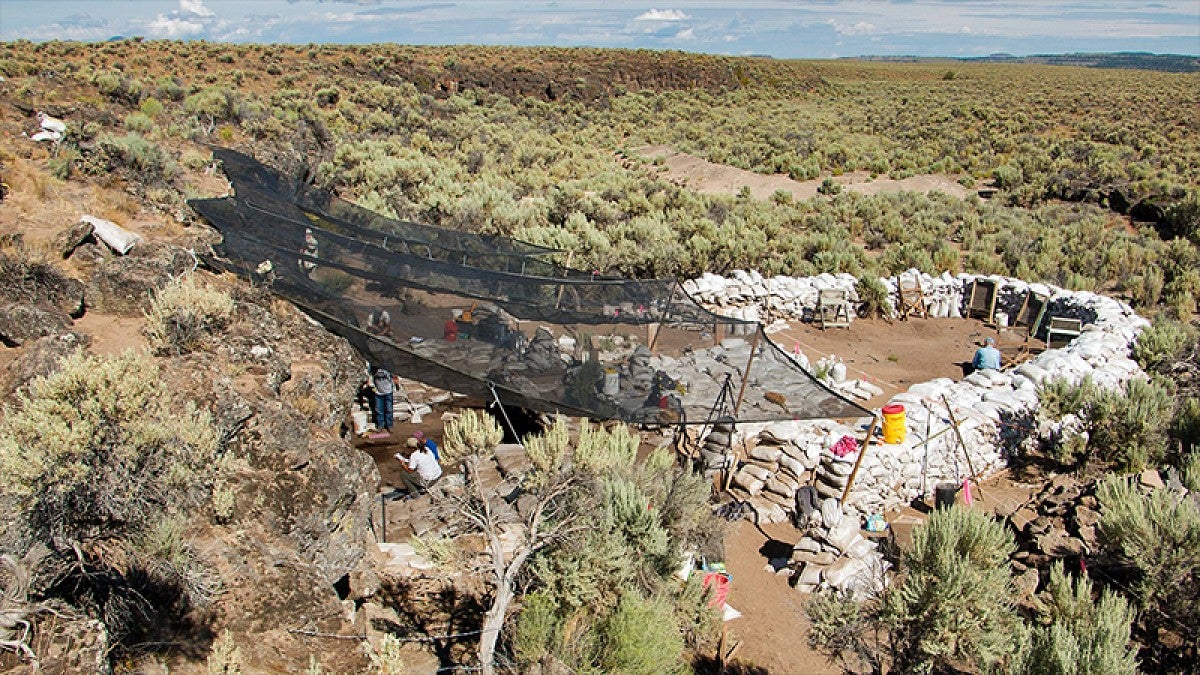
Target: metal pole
x,y
746,375
383,514
504,414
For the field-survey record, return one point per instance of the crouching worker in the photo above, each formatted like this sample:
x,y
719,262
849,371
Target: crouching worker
x,y
420,469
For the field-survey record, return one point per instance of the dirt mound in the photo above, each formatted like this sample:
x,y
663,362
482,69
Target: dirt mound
x,y
708,178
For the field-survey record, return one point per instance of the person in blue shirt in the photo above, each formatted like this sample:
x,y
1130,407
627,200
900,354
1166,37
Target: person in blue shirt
x,y
987,357
427,443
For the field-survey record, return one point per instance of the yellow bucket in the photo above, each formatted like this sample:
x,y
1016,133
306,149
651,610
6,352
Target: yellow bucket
x,y
894,430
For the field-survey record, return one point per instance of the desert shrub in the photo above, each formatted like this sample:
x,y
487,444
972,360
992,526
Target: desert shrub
x,y
872,297
546,450
538,624
1185,426
845,629
102,448
184,314
1082,636
1126,429
1159,533
954,604
132,152
599,451
471,433
1162,343
215,103
60,165
151,107
225,657
640,636
139,122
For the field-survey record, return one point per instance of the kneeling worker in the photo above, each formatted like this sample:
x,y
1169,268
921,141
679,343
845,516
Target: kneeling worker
x,y
421,468
987,357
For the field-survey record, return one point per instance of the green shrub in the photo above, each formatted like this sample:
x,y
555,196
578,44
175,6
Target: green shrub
x,y
641,637
1159,533
954,605
872,297
143,158
102,448
151,107
474,432
536,635
1083,637
139,122
216,103
844,628
1162,343
183,315
333,279
1126,429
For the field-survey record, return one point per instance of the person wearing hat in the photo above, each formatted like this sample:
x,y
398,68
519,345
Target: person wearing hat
x,y
420,468
427,443
987,357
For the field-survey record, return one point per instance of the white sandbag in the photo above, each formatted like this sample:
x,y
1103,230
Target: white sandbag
x,y
766,453
756,471
116,237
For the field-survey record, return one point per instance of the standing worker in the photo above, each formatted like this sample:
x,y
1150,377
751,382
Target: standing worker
x,y
987,357
310,250
382,382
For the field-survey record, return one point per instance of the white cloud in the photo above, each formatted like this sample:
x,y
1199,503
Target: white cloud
x,y
686,34
858,28
194,7
663,15
163,26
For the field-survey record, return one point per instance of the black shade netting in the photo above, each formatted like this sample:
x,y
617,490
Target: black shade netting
x,y
637,351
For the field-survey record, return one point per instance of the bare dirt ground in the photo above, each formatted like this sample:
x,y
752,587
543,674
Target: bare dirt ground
x,y
896,355
708,178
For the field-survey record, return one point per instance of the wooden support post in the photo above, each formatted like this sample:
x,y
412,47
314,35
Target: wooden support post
x,y
558,300
966,452
858,462
746,375
652,335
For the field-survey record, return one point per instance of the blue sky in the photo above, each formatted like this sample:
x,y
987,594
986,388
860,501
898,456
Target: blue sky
x,y
779,28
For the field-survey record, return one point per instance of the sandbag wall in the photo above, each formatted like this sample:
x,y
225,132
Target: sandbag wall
x,y
995,410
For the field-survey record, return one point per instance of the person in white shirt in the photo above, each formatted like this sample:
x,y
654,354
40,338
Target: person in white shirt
x,y
420,468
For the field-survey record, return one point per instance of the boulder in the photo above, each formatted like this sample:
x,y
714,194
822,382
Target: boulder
x,y
20,323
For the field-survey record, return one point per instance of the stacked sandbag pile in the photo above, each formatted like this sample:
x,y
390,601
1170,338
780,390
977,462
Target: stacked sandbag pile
x,y
834,554
994,409
716,453
942,295
782,459
747,295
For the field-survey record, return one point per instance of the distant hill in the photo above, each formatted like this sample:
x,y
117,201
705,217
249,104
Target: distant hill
x,y
1168,63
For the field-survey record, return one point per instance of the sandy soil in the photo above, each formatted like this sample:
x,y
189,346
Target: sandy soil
x,y
894,356
112,334
708,178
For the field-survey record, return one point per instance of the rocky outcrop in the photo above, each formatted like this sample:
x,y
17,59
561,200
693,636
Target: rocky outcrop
x,y
39,358
124,284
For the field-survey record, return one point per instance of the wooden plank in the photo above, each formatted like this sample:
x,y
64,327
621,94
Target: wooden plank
x,y
858,462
